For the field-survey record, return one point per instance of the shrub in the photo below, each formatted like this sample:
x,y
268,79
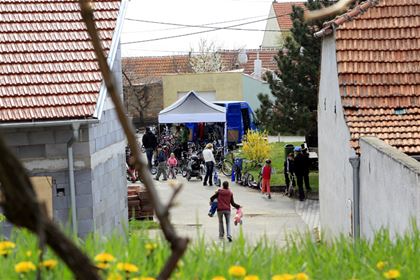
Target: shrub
x,y
255,146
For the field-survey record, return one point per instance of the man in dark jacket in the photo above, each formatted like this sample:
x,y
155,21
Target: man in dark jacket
x,y
224,199
301,168
149,143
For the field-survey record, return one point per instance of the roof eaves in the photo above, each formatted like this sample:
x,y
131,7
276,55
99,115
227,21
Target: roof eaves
x,y
111,58
360,9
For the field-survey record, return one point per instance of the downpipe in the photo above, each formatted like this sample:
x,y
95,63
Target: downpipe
x,y
70,160
355,163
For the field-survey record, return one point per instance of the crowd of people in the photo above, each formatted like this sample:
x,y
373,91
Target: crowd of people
x,y
164,152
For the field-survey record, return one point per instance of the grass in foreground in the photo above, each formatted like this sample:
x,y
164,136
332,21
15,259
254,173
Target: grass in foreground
x,y
140,256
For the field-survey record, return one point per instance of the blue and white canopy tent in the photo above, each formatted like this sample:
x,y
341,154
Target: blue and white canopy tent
x,y
193,109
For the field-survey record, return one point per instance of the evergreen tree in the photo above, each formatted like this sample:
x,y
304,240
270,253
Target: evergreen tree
x,y
295,83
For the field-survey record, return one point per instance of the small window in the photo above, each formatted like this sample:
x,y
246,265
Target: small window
x,y
400,111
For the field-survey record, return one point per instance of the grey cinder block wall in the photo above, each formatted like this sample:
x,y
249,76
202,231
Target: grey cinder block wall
x,y
99,162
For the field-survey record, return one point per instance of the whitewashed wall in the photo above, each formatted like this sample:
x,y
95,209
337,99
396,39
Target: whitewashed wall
x,y
390,188
335,171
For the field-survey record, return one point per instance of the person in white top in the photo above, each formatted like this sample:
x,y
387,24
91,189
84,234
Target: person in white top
x,y
210,161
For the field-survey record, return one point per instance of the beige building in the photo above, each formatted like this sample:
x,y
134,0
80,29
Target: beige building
x,y
215,86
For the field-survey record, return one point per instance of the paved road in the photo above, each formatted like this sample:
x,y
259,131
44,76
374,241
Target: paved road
x,y
273,218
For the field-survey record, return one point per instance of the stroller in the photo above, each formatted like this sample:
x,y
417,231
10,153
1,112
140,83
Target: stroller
x,y
194,168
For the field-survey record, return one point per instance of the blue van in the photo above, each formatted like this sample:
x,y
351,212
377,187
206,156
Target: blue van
x,y
239,119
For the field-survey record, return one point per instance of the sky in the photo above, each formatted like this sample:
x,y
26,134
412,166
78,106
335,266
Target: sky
x,y
169,15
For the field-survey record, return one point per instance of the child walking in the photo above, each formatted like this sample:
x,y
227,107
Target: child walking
x,y
266,177
172,163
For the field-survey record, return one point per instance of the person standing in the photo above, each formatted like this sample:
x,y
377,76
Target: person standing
x,y
299,171
225,199
289,171
306,166
210,162
161,158
149,141
172,163
266,178
185,133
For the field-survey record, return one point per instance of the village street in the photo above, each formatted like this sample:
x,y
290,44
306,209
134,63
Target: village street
x,y
275,218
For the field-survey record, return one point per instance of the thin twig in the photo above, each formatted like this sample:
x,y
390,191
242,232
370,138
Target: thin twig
x,y
330,11
178,245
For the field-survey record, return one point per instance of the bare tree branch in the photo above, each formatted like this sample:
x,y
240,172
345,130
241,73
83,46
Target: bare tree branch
x,y
178,244
330,11
22,208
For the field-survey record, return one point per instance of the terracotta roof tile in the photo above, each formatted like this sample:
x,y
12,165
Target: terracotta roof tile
x,y
47,64
283,10
378,58
143,69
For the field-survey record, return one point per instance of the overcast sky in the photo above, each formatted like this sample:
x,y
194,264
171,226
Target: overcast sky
x,y
218,13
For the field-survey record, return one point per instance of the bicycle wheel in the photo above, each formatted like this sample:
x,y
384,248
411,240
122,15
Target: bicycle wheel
x,y
251,181
227,167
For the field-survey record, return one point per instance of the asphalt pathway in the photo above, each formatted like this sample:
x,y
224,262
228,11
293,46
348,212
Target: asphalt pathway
x,y
274,218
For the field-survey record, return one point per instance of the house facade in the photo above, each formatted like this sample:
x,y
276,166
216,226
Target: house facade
x,y
279,20
142,72
55,114
215,86
369,120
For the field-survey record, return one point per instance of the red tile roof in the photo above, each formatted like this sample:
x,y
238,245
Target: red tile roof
x,y
378,57
47,64
229,58
145,69
283,11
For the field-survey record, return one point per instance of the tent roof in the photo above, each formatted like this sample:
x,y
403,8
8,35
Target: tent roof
x,y
192,109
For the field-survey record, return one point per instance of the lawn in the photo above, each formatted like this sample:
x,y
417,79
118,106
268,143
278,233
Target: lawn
x,y
277,151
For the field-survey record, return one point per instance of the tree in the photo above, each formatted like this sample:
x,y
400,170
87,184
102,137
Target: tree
x,y
137,99
295,83
207,59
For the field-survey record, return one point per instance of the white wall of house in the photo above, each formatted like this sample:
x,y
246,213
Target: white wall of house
x,y
272,39
335,171
389,188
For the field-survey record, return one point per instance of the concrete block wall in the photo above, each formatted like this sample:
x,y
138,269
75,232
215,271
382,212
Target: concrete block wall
x,y
109,186
43,151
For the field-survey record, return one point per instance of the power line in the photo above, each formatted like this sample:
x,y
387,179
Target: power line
x,y
199,26
201,32
183,27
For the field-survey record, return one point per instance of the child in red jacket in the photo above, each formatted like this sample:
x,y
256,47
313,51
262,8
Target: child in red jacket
x,y
266,177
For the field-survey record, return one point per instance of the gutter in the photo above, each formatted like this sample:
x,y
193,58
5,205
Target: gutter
x,y
70,160
355,163
48,123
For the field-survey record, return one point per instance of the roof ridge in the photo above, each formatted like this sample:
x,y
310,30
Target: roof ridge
x,y
348,16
